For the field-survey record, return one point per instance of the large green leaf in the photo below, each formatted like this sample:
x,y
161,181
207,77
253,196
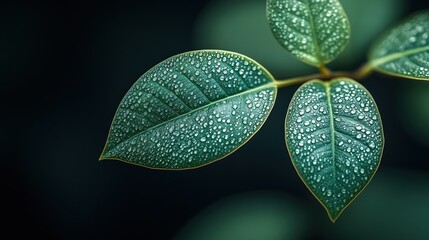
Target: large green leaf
x,y
190,110
315,31
404,51
335,140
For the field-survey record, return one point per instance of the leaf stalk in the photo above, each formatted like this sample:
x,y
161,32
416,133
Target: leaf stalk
x,y
325,74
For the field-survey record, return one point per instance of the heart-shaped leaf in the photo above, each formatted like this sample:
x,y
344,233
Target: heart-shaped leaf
x,y
314,31
335,140
404,51
190,110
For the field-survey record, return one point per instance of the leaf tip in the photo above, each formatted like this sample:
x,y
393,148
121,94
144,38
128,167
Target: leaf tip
x,y
334,217
103,156
334,214
106,158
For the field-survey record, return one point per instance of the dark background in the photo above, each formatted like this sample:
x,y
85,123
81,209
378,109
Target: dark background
x,y
65,66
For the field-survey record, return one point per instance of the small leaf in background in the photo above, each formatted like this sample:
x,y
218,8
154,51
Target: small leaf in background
x,y
404,51
335,140
314,31
190,110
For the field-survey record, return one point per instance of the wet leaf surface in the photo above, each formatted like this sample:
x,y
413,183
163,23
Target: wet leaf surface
x,y
404,51
314,31
335,140
190,110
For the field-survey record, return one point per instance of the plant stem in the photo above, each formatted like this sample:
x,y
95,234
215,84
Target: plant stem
x,y
297,80
361,73
364,71
324,71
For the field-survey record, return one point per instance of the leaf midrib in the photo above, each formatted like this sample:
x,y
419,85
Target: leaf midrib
x,y
259,88
397,55
314,32
332,129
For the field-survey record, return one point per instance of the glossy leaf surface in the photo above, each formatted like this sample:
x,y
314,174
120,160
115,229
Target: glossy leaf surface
x,y
335,140
190,110
404,51
314,31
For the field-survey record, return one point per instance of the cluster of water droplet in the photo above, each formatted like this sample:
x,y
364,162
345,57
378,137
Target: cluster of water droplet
x,y
334,133
403,40
191,109
315,31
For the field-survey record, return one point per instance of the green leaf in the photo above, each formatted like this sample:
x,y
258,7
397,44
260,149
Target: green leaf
x,y
190,110
335,139
404,51
314,31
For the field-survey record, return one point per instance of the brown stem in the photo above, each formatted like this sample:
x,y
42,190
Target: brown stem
x,y
324,71
325,74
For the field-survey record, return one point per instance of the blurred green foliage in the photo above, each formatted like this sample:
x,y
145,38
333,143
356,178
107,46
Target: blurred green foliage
x,y
241,26
249,216
413,109
393,206
389,208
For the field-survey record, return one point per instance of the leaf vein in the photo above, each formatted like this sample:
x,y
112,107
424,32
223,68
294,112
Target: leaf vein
x,y
159,98
240,94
